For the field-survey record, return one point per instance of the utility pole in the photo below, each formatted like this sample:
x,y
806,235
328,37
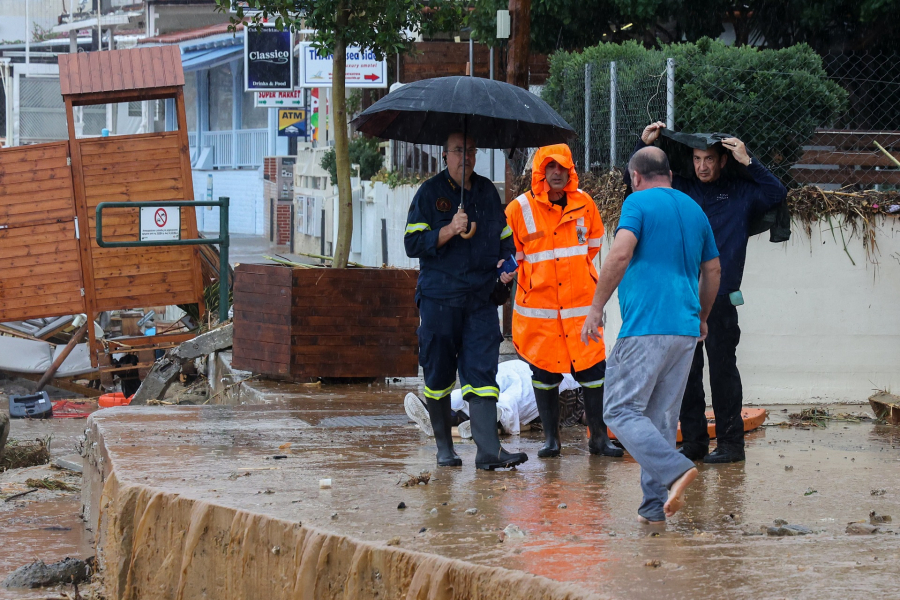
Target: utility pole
x,y
519,43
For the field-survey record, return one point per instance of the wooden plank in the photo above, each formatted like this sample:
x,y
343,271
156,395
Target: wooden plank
x,y
259,350
117,81
94,71
343,329
34,153
853,139
44,311
146,164
37,197
845,176
10,167
253,279
128,143
39,264
142,269
17,250
113,180
25,208
53,230
275,334
358,321
56,216
249,287
38,173
55,271
145,196
113,257
265,269
130,302
43,293
357,299
850,159
299,342
126,159
105,71
259,366
339,313
137,186
123,281
172,67
70,297
37,186
248,317
157,67
139,288
136,69
261,303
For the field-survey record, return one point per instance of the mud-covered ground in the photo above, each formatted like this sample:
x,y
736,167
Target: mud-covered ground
x,y
576,512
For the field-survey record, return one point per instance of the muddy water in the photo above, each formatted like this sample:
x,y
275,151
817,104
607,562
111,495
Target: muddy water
x,y
50,531
47,530
225,455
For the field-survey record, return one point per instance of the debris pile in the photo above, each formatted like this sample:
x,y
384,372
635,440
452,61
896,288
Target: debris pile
x,y
19,454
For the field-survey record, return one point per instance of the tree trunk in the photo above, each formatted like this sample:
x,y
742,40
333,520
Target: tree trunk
x,y
342,144
519,43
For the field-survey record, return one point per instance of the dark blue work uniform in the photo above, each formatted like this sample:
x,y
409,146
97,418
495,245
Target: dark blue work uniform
x,y
729,203
459,323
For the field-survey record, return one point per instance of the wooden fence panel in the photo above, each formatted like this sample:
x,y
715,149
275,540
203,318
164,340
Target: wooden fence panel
x,y
144,167
40,274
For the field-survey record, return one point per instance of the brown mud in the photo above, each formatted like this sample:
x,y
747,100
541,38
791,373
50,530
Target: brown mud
x,y
193,496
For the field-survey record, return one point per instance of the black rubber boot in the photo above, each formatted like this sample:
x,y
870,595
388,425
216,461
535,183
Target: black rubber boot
x,y
439,411
548,409
693,451
490,455
593,413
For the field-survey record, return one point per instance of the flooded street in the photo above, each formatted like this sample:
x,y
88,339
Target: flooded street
x,y
576,511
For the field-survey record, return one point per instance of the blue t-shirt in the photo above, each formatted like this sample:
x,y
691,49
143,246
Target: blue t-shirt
x,y
659,294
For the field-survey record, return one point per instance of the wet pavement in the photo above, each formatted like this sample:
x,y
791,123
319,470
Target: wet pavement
x,y
358,436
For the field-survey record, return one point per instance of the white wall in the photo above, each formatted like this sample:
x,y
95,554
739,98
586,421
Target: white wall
x,y
245,189
815,328
12,17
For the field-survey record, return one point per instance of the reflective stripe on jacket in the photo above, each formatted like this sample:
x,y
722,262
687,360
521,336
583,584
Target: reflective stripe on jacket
x,y
555,248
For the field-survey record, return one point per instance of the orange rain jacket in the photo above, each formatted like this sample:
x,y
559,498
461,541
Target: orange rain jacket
x,y
555,248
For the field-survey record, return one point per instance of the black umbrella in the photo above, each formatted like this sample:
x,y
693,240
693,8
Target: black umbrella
x,y
493,113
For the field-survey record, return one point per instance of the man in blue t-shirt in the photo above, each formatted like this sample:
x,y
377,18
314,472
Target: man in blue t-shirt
x,y
662,242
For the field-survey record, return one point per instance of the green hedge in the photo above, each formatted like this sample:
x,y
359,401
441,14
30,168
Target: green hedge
x,y
772,99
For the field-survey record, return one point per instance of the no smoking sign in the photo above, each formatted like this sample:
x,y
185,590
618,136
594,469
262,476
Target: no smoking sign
x,y
159,223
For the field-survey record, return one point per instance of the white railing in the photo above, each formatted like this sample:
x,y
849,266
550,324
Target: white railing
x,y
252,146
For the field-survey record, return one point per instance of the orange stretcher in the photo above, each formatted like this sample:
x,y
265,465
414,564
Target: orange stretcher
x,y
753,418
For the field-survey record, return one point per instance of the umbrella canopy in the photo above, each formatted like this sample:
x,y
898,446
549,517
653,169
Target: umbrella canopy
x,y
493,113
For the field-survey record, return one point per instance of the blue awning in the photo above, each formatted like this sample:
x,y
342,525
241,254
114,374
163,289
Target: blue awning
x,y
195,60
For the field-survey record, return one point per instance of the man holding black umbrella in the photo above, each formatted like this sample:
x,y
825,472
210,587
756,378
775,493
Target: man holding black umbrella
x,y
459,324
729,203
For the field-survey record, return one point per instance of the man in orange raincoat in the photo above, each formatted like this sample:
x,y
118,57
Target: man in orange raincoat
x,y
558,232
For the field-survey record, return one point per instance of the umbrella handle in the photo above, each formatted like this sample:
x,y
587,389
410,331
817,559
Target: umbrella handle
x,y
467,234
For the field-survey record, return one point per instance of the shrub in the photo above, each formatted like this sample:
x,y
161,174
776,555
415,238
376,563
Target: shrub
x,y
363,152
772,99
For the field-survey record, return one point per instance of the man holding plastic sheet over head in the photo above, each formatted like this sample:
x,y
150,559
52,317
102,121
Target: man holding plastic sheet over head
x,y
734,190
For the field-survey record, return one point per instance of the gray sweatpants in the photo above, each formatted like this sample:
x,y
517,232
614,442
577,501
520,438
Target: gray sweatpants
x,y
645,381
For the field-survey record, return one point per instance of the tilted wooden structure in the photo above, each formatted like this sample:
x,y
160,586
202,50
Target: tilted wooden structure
x,y
49,194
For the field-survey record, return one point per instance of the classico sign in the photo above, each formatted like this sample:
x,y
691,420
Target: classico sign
x,y
268,60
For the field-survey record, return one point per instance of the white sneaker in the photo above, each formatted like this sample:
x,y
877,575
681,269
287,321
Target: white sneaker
x,y
416,411
465,430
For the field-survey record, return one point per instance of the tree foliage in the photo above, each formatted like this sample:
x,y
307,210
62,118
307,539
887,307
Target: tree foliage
x,y
772,99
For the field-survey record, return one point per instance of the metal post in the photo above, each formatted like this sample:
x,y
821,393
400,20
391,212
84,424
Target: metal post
x,y
223,258
670,94
587,117
27,32
384,248
612,113
471,56
492,63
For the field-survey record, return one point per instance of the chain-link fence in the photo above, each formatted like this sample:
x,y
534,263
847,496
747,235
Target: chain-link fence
x,y
812,120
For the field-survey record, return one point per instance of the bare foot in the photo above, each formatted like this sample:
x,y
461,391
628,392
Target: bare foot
x,y
676,492
646,521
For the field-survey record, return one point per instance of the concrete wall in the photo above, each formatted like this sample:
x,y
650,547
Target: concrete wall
x,y
815,327
245,189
